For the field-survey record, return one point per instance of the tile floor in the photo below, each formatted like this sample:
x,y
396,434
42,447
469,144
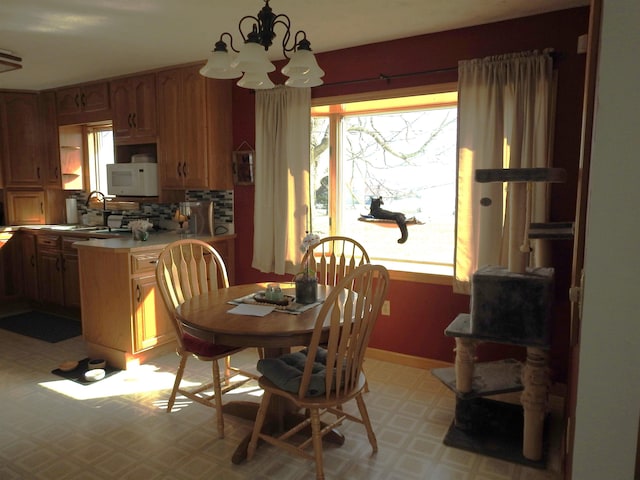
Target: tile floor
x,y
52,428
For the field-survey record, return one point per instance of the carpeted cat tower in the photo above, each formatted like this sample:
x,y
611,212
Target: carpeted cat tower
x,y
509,305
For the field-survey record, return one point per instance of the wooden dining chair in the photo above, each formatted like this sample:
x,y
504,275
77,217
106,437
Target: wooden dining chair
x,y
333,258
321,380
187,268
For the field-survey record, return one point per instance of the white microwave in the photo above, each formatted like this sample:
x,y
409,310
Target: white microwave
x,y
133,179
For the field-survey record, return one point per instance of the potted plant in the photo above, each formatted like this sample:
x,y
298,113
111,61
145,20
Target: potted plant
x,y
306,280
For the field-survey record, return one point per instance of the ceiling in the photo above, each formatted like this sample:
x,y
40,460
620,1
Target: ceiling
x,y
62,42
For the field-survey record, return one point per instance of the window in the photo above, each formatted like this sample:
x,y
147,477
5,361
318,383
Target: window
x,y
402,149
100,153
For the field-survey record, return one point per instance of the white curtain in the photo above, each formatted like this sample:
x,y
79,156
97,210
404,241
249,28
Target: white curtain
x,y
504,115
282,211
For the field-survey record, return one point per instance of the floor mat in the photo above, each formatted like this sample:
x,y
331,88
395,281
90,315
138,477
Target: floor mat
x,y
43,326
77,374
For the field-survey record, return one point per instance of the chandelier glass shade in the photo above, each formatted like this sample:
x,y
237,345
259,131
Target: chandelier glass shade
x,y
251,61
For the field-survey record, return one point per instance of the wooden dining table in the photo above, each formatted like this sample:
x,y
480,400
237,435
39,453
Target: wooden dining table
x,y
207,316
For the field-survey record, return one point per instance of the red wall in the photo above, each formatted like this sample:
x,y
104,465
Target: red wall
x,y
420,312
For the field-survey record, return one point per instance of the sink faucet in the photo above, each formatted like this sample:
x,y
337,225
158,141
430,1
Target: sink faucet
x,y
105,214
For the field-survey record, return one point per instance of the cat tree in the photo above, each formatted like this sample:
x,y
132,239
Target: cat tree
x,y
509,305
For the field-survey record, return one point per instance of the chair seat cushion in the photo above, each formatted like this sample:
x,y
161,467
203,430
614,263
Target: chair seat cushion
x,y
286,371
204,348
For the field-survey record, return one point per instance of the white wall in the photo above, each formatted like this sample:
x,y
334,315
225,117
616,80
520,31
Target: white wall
x,y
608,402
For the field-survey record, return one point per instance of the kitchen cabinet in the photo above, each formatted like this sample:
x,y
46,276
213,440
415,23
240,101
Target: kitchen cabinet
x,y
50,283
194,128
83,103
10,267
25,207
20,140
29,265
124,319
35,207
57,270
134,109
52,173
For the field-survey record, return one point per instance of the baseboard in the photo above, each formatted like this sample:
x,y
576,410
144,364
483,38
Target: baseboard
x,y
405,360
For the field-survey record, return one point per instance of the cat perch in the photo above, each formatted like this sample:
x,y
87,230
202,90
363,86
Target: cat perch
x,y
384,222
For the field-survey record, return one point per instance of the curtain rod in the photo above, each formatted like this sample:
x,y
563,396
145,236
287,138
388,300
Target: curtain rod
x,y
555,56
388,78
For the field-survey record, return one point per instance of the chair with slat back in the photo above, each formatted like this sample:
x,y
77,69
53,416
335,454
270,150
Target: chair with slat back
x,y
329,377
187,268
333,258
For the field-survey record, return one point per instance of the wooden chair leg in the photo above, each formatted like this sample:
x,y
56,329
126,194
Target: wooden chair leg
x,y
317,442
364,415
217,390
257,427
176,383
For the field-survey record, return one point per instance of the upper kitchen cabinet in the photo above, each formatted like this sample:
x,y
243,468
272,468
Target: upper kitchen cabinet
x,y
20,137
83,103
134,109
49,140
194,128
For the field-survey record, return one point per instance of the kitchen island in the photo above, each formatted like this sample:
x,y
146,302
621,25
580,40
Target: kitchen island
x,y
124,320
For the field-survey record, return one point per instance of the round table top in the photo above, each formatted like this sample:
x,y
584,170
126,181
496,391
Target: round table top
x,y
208,316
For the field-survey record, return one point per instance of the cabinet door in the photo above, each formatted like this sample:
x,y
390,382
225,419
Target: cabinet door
x,y
220,134
151,323
122,110
29,266
71,280
144,114
19,125
25,208
50,277
170,148
68,101
95,97
50,156
71,272
134,108
193,126
10,265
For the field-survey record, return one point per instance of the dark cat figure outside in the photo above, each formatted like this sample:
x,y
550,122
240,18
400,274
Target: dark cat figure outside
x,y
400,219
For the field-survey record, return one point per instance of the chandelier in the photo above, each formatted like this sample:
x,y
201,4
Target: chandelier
x,y
251,62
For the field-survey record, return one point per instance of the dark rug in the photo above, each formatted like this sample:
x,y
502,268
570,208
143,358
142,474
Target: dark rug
x,y
43,326
77,374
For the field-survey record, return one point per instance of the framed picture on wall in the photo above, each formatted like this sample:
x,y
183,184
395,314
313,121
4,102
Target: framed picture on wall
x,y
243,167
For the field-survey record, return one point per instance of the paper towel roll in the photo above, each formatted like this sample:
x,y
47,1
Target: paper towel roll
x,y
72,210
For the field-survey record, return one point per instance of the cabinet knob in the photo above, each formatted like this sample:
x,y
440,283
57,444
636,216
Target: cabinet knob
x,y
83,100
138,294
133,120
184,169
77,100
178,171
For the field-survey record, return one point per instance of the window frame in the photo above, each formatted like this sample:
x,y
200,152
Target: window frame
x,y
444,278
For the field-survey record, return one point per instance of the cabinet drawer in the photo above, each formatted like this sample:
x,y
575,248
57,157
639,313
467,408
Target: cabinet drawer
x,y
49,242
144,262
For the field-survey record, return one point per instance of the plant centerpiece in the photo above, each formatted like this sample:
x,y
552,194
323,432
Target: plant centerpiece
x,y
139,229
306,280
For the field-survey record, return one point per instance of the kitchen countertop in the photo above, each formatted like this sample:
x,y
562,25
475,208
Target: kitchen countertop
x,y
156,239
97,238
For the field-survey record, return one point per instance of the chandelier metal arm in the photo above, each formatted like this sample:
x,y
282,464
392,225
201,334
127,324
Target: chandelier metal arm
x,y
251,61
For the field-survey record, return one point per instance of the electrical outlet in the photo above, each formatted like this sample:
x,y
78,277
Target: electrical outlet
x,y
386,308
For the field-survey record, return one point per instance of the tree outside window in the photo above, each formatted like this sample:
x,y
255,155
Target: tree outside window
x,y
405,154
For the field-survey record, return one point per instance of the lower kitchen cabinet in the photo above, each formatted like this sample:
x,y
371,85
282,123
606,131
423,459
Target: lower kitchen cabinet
x,y
50,286
29,265
124,320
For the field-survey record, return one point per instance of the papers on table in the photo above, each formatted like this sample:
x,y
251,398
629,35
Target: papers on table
x,y
253,310
249,301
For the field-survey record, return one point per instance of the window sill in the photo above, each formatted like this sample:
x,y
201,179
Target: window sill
x,y
419,273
